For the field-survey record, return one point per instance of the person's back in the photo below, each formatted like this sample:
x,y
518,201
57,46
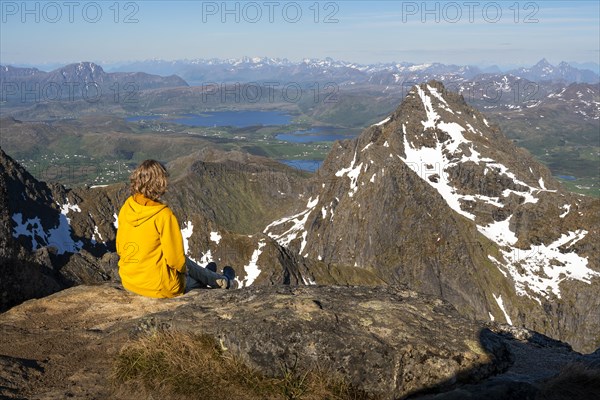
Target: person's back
x,y
149,243
152,261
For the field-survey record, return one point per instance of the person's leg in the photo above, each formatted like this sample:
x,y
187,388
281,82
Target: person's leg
x,y
198,277
229,273
191,283
212,266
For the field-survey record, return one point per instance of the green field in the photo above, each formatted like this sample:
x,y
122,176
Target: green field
x,y
104,157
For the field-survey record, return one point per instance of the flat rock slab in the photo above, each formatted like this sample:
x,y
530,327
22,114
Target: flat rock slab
x,y
390,341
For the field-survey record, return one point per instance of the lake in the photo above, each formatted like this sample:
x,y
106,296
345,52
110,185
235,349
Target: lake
x,y
304,165
244,119
566,177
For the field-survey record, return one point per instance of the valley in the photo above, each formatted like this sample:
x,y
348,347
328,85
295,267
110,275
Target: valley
x,y
78,142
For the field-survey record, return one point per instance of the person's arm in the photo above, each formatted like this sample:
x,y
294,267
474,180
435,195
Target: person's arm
x,y
172,241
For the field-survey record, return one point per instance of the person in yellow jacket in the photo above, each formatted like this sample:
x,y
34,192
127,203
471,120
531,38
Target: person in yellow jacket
x,y
150,246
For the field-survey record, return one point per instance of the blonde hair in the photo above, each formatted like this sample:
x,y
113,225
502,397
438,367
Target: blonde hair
x,y
149,179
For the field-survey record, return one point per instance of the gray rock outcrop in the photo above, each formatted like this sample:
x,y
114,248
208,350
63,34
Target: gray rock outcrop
x,y
390,342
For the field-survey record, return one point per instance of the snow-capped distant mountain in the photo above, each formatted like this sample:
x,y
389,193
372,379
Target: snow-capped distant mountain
x,y
264,68
583,98
563,72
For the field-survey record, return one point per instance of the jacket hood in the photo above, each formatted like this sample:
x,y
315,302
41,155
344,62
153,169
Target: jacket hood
x,y
139,209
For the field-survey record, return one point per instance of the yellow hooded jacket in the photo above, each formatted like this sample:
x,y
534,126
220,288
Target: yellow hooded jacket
x,y
150,248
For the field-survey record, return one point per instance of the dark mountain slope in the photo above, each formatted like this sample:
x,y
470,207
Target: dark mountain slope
x,y
436,197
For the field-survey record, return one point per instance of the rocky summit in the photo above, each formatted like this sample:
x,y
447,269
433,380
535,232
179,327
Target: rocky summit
x,y
391,342
433,241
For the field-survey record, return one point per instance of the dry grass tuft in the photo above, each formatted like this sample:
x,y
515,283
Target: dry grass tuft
x,y
173,365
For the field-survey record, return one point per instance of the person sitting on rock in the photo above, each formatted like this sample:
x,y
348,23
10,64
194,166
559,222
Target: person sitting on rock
x,y
150,246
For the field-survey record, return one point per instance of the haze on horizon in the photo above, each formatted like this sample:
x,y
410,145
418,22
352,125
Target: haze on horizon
x,y
480,33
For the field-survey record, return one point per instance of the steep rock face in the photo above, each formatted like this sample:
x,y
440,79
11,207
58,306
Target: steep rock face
x,y
238,191
223,199
391,342
437,198
22,275
47,240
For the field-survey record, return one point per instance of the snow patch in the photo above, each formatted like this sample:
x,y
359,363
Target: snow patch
x,y
308,282
499,232
215,237
297,222
97,232
539,270
385,121
528,197
353,173
58,237
432,116
65,208
205,259
186,233
367,146
418,158
448,154
303,243
501,305
32,228
567,208
252,269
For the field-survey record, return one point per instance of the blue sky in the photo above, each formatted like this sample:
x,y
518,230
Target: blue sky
x,y
460,32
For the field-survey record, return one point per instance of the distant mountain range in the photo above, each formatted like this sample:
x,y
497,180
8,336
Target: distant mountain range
x,y
75,81
485,89
263,69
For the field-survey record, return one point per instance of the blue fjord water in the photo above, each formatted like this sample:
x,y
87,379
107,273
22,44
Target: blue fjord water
x,y
244,119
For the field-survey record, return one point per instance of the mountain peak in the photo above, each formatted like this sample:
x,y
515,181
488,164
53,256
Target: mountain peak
x,y
543,63
456,195
84,67
442,137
